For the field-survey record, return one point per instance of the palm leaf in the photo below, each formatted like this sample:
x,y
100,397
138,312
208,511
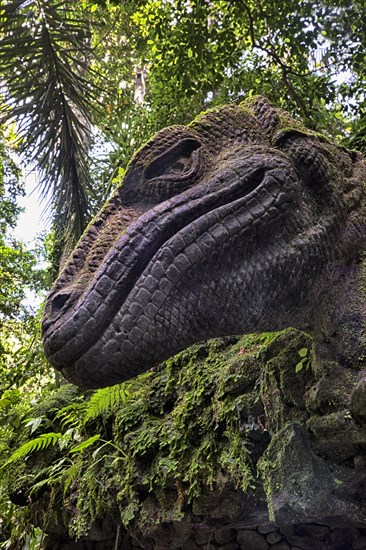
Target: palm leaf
x,y
44,53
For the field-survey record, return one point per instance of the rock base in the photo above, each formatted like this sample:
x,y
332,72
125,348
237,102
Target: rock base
x,y
331,535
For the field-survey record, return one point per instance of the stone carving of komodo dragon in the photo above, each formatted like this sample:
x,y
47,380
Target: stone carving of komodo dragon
x,y
242,221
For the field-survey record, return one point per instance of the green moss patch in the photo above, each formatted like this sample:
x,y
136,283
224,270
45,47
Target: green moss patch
x,y
145,451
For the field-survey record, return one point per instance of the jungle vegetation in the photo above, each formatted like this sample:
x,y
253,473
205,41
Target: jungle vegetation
x,y
82,86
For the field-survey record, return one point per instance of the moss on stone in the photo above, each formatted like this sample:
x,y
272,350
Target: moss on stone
x,y
196,420
186,430
226,413
283,384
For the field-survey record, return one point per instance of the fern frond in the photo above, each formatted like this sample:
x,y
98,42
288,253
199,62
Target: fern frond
x,y
41,442
71,415
50,475
70,475
41,484
105,400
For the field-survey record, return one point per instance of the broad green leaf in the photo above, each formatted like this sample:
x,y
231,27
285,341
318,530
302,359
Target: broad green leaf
x,y
85,444
303,352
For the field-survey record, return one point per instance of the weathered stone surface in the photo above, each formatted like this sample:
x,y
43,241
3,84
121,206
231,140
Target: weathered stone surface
x,y
223,536
311,530
266,528
359,544
337,427
299,482
274,538
229,546
251,540
287,530
306,543
241,222
331,392
342,535
226,504
190,545
358,399
175,225
298,536
204,536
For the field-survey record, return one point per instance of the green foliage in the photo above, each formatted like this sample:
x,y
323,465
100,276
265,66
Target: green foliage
x,y
357,139
18,273
10,186
9,398
17,266
44,55
186,426
106,400
22,362
71,72
115,72
85,444
37,444
303,353
21,357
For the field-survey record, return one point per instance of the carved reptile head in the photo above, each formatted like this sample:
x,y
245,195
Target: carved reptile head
x,y
226,226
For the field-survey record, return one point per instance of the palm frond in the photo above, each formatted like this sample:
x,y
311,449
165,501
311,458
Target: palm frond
x,y
44,59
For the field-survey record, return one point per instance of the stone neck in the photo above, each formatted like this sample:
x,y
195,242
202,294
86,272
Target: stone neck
x,y
340,320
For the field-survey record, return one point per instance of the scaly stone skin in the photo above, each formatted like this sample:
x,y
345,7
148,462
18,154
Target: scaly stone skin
x,y
233,224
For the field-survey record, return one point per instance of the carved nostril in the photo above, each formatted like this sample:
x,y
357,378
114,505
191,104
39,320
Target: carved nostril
x,y
59,301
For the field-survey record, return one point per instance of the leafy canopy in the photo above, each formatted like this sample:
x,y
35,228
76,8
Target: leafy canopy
x,y
115,72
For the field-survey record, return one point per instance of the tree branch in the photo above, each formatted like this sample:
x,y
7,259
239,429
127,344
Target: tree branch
x,y
286,70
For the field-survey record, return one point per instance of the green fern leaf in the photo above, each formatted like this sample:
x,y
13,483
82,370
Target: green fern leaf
x,y
50,475
69,475
106,399
71,415
85,444
41,484
37,444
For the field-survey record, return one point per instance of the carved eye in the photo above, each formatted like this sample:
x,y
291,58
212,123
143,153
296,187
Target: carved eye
x,y
178,163
180,166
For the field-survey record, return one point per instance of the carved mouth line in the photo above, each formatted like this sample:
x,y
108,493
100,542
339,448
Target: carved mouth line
x,y
132,254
